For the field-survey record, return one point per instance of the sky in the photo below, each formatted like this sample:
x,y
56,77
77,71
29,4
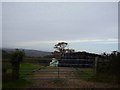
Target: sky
x,y
85,26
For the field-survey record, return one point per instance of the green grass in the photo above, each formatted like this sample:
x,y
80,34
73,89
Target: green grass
x,y
26,70
16,83
23,81
84,74
9,71
104,78
51,68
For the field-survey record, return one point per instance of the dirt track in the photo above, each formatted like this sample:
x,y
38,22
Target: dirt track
x,y
53,82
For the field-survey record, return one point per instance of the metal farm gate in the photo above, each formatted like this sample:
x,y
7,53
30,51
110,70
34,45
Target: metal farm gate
x,y
66,69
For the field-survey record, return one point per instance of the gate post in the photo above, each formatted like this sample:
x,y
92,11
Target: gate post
x,y
58,72
58,69
96,60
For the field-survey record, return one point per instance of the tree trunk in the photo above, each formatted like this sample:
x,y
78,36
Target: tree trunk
x,y
15,70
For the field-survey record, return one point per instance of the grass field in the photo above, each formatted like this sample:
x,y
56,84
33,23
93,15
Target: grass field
x,y
26,72
83,73
89,75
79,78
29,71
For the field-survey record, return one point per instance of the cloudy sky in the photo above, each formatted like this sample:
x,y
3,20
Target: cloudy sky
x,y
86,26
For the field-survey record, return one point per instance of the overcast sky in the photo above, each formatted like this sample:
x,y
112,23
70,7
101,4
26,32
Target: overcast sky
x,y
87,26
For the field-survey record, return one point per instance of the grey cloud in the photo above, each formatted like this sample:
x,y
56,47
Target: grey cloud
x,y
26,22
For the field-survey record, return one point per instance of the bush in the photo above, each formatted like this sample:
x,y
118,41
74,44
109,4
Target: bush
x,y
109,65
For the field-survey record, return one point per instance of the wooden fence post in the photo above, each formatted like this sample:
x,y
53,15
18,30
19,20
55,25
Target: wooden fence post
x,y
96,61
58,72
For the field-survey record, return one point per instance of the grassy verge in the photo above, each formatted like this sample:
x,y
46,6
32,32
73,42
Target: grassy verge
x,y
16,83
26,72
111,79
84,73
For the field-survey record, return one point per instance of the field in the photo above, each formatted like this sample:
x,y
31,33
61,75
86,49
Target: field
x,y
67,79
38,76
9,83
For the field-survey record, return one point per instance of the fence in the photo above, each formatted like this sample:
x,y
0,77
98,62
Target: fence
x,y
67,69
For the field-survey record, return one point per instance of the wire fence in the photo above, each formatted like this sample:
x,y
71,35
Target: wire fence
x,y
66,69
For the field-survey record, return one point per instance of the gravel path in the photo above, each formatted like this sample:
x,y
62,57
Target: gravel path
x,y
40,80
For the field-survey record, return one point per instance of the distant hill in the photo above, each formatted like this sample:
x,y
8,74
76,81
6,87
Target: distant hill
x,y
30,52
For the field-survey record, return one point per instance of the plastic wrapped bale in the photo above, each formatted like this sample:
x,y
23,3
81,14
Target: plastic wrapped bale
x,y
54,62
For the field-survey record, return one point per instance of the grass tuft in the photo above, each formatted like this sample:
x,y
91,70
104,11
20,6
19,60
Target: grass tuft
x,y
16,83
